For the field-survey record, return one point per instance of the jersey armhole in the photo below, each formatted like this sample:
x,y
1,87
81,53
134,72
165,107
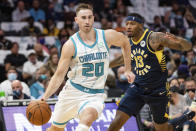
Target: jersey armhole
x,y
148,44
74,56
106,45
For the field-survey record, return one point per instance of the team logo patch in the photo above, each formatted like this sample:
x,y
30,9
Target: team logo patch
x,y
142,43
100,44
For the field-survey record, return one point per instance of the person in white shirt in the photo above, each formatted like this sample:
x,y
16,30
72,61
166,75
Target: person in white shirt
x,y
5,86
20,14
30,67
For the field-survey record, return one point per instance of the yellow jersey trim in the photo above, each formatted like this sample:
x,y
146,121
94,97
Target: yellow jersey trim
x,y
136,42
159,55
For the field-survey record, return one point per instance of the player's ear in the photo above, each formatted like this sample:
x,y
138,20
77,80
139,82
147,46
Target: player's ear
x,y
76,19
140,26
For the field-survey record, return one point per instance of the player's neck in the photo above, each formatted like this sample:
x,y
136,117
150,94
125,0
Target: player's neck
x,y
138,35
88,37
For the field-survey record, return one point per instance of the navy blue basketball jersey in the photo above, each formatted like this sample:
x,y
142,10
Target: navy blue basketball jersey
x,y
148,65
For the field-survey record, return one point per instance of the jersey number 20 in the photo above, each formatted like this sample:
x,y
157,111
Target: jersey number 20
x,y
88,69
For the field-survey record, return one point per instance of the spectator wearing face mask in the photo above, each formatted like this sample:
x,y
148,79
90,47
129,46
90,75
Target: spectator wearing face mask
x,y
38,88
122,82
5,86
190,88
17,90
175,83
177,108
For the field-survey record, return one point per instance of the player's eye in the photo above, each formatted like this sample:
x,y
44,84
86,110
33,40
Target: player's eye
x,y
83,17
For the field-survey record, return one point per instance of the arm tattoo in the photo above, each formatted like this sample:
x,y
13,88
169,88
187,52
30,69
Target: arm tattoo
x,y
155,39
158,39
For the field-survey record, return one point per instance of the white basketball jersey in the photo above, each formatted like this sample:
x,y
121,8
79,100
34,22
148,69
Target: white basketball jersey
x,y
90,63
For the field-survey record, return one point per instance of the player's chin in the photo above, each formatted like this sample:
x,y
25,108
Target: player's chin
x,y
87,28
130,34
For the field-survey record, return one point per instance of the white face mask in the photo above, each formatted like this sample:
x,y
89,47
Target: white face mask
x,y
12,76
123,77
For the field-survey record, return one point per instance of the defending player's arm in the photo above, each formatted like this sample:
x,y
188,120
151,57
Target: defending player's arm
x,y
118,39
159,40
63,66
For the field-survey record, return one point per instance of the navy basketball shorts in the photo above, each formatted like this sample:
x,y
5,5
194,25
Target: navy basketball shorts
x,y
135,98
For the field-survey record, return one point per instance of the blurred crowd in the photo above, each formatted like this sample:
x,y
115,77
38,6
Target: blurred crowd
x,y
26,75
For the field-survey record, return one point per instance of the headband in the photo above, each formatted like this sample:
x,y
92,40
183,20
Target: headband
x,y
133,18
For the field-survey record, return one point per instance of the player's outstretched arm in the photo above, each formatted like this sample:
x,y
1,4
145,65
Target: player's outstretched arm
x,y
118,39
63,66
159,39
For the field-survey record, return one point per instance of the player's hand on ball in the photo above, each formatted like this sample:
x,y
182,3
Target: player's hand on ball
x,y
130,76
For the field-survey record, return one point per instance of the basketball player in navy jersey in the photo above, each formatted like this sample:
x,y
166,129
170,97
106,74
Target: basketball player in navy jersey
x,y
87,53
149,65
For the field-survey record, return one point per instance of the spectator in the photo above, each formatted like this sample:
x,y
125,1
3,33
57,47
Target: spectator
x,y
119,27
31,65
177,107
37,13
57,7
179,22
157,25
50,28
15,59
192,69
62,38
51,65
166,19
38,88
20,14
4,43
40,53
30,29
122,82
190,18
6,85
17,90
190,88
190,57
53,49
68,25
183,71
104,22
146,118
174,82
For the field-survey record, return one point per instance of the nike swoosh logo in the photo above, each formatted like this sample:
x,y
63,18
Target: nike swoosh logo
x,y
161,93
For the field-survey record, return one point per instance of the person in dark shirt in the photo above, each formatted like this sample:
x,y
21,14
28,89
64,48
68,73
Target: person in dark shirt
x,y
17,91
4,43
30,29
14,59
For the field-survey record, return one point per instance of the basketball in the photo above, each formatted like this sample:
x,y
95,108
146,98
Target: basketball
x,y
38,112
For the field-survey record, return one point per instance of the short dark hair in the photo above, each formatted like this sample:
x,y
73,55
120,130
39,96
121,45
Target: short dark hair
x,y
11,68
84,6
138,16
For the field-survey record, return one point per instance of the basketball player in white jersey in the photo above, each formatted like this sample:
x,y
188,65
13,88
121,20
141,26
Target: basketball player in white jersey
x,y
86,52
